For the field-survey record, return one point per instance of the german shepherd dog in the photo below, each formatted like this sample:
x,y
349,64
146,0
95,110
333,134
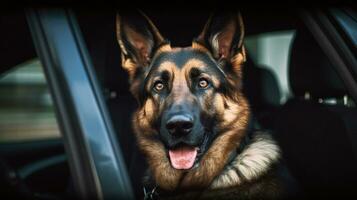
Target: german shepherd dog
x,y
192,120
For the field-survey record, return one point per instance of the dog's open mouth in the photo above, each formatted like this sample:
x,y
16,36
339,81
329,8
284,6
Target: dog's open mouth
x,y
186,156
183,157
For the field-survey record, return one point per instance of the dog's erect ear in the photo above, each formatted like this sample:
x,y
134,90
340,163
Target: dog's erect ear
x,y
138,38
223,35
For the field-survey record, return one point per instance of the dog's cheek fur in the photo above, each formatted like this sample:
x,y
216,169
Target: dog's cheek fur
x,y
147,137
165,176
144,117
232,118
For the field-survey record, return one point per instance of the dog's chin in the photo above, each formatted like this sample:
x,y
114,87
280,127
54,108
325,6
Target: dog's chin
x,y
185,156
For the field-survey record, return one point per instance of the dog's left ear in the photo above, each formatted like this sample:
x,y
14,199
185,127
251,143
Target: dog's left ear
x,y
223,36
138,39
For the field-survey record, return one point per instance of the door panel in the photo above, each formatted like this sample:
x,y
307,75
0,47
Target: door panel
x,y
33,163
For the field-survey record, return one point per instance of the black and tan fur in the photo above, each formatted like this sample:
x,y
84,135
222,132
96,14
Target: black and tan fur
x,y
217,55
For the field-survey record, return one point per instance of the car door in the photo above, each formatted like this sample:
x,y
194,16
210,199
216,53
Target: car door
x,y
94,154
33,163
56,140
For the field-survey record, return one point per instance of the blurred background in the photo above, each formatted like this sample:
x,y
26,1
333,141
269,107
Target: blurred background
x,y
26,107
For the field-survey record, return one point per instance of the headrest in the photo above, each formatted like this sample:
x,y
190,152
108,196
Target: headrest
x,y
260,86
310,70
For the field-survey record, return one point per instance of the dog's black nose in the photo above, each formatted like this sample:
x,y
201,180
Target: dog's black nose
x,y
179,125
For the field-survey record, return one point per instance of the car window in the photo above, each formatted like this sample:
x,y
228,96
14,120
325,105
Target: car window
x,y
347,19
26,108
32,152
271,50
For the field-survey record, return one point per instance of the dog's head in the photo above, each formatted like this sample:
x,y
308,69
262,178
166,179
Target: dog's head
x,y
191,106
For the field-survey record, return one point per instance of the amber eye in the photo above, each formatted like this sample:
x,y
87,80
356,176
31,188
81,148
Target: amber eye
x,y
203,83
159,86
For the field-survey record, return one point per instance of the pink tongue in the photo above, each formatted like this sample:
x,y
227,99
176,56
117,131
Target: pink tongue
x,y
183,157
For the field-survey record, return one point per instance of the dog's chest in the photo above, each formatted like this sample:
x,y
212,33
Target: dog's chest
x,y
267,187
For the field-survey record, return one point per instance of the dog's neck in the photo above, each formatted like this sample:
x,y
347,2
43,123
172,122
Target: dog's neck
x,y
255,160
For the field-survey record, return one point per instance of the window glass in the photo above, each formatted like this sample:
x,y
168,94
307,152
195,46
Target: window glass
x,y
26,108
347,19
271,50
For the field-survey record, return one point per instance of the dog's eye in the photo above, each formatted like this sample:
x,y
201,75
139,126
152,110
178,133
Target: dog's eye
x,y
203,83
159,86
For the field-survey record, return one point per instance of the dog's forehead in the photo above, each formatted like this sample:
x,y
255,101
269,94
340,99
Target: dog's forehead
x,y
183,57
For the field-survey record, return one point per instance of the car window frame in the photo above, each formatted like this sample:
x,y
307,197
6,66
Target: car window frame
x,y
333,45
345,20
95,158
338,52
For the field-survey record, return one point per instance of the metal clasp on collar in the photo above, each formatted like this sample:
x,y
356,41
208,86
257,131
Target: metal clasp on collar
x,y
150,195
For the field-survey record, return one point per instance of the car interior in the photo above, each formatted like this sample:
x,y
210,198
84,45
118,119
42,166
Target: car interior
x,y
314,126
32,165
